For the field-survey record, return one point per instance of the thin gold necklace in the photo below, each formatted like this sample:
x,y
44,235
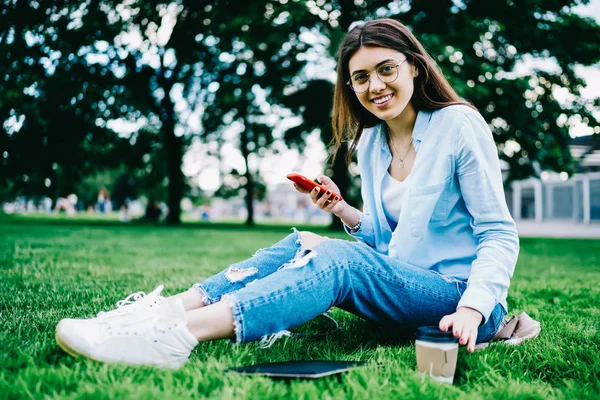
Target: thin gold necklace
x,y
401,159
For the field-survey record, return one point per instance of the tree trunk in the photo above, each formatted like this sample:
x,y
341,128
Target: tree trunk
x,y
248,175
174,152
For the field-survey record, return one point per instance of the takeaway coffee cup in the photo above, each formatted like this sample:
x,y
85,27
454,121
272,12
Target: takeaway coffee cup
x,y
436,353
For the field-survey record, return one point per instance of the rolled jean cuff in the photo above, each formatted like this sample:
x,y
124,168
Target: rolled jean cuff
x,y
206,298
236,311
238,318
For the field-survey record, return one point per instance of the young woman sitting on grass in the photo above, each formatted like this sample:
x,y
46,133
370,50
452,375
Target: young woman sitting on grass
x,y
435,245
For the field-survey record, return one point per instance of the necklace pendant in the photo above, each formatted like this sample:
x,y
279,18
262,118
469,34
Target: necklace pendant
x,y
401,164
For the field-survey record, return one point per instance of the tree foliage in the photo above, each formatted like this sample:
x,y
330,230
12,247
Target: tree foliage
x,y
53,104
478,46
188,69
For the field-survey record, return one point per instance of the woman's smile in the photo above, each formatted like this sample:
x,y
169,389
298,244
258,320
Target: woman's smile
x,y
382,101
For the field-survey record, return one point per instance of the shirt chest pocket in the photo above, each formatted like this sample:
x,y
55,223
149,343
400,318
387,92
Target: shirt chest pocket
x,y
428,205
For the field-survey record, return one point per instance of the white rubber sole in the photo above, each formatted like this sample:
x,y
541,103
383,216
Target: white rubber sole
x,y
63,344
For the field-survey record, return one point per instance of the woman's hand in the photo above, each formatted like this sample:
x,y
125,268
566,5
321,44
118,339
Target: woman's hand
x,y
325,201
464,323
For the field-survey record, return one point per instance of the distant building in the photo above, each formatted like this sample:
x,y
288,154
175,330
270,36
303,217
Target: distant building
x,y
587,150
556,196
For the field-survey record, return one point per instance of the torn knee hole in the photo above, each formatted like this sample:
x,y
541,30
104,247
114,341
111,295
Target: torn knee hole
x,y
301,259
309,240
238,274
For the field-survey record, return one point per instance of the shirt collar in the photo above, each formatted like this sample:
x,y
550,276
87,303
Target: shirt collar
x,y
421,124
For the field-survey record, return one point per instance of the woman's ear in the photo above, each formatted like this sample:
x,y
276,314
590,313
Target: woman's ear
x,y
415,71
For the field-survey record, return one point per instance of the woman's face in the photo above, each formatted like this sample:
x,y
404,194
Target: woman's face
x,y
385,100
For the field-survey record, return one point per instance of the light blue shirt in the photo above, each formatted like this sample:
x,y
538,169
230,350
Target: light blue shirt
x,y
455,220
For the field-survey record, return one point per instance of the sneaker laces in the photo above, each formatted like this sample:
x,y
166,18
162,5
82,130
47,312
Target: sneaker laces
x,y
127,301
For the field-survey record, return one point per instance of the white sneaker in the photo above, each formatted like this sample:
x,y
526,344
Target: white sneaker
x,y
158,337
135,302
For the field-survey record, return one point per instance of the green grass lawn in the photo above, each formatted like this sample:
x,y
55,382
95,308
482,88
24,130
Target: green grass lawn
x,y
49,271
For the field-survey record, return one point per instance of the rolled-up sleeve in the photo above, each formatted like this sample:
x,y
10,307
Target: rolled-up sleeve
x,y
480,181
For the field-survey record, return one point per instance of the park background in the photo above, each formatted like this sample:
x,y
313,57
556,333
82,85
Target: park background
x,y
148,141
201,110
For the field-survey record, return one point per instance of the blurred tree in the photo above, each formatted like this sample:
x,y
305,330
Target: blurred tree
x,y
235,184
53,105
313,101
262,54
258,51
72,66
136,61
479,46
123,189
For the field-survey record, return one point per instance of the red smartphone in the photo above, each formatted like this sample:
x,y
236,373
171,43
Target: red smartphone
x,y
307,184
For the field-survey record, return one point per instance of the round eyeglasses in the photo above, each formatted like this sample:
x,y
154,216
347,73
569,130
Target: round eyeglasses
x,y
387,72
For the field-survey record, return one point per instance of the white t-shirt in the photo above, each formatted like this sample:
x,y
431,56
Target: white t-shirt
x,y
393,193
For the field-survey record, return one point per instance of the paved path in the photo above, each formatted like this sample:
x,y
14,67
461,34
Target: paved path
x,y
558,230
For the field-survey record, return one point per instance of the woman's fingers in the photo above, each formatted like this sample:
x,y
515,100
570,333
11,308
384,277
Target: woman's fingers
x,y
451,322
472,340
317,197
322,202
457,329
464,330
445,323
314,195
465,336
324,180
329,207
328,183
325,201
469,338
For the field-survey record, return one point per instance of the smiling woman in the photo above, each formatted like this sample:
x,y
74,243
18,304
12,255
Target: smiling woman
x,y
436,249
385,47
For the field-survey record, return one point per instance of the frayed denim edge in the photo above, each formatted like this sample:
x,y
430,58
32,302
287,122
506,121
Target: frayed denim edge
x,y
238,318
204,294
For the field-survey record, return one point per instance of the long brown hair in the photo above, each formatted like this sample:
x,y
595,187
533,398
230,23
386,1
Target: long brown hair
x,y
432,90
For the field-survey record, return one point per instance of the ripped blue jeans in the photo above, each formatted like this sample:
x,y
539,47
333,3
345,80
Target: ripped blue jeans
x,y
286,285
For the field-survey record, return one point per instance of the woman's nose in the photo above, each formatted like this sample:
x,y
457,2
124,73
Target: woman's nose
x,y
375,84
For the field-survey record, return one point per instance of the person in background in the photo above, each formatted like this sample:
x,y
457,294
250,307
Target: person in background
x,y
104,205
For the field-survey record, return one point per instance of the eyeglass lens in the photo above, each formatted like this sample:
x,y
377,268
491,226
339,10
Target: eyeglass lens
x,y
387,73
